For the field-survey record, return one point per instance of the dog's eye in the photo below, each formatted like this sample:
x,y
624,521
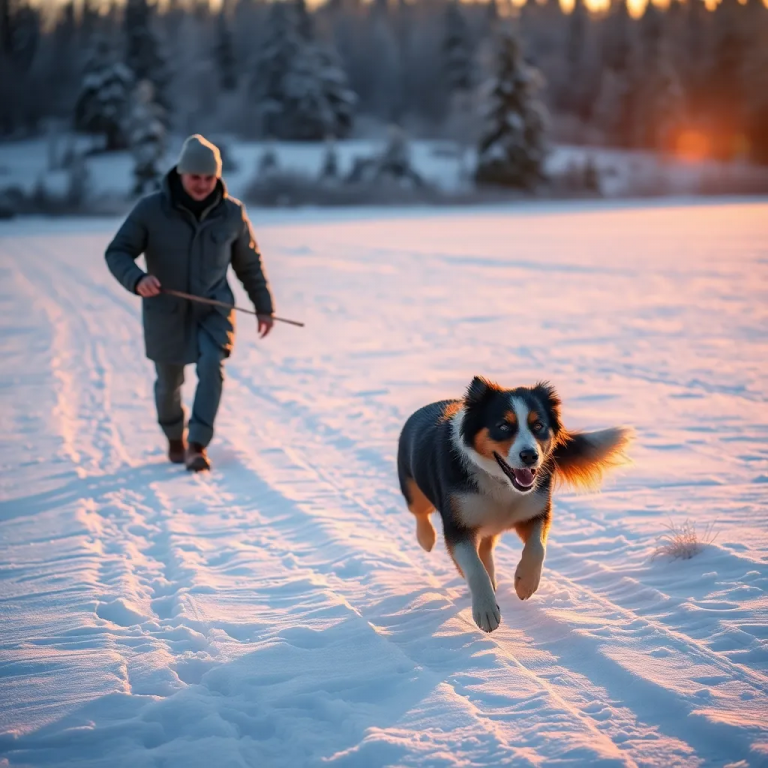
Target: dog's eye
x,y
537,426
503,427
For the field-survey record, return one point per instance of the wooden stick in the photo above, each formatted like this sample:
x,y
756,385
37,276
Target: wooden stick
x,y
215,303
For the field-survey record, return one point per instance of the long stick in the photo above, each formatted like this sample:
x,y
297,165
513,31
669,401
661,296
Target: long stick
x,y
216,303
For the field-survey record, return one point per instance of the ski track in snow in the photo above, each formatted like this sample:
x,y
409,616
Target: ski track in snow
x,y
278,612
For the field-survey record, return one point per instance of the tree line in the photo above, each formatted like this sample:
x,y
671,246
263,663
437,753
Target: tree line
x,y
681,78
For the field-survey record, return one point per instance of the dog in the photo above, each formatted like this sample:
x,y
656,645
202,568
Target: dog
x,y
490,462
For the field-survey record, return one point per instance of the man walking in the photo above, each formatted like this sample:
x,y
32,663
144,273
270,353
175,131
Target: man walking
x,y
190,232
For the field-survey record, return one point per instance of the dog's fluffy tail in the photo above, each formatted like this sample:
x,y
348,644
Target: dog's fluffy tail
x,y
582,458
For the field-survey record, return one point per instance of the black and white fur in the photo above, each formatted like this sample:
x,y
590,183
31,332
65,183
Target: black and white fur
x,y
488,463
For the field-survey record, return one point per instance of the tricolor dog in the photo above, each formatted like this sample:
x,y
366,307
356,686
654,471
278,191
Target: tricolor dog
x,y
488,463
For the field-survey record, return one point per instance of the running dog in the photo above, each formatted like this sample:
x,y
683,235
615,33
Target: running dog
x,y
488,463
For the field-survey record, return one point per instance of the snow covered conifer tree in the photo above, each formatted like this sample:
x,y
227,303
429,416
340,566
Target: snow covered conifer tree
x,y
513,145
20,34
281,47
103,103
142,49
306,112
300,87
335,86
457,50
395,161
304,22
146,138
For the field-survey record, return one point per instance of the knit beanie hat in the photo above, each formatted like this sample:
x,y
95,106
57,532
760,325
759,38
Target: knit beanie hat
x,y
200,157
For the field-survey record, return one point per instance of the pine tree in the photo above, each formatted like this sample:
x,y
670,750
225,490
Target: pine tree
x,y
492,13
617,37
666,105
224,54
300,87
104,98
392,164
329,170
78,181
513,147
142,49
268,163
457,50
608,109
281,47
19,43
63,64
659,93
652,32
726,83
395,161
335,87
306,113
304,22
755,84
19,34
574,95
616,106
89,21
146,137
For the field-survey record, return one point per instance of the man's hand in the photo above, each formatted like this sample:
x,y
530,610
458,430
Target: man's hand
x,y
265,324
148,286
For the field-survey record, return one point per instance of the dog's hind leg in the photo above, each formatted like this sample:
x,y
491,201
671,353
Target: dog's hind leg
x,y
421,508
485,551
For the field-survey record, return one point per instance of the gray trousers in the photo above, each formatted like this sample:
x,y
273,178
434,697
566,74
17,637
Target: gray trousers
x,y
210,379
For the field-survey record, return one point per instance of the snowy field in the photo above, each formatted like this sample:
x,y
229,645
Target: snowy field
x,y
279,612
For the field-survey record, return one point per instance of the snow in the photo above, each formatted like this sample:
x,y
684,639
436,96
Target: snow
x,y
279,612
624,173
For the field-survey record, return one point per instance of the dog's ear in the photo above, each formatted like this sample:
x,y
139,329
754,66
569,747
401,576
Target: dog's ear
x,y
545,393
478,392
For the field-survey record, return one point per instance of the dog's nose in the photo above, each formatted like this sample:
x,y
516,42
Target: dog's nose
x,y
528,456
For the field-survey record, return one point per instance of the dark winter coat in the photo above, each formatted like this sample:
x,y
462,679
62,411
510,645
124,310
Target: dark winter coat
x,y
191,255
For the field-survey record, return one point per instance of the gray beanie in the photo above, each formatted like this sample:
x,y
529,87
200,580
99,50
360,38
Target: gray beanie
x,y
200,157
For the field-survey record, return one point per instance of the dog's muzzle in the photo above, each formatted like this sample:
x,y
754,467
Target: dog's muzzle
x,y
521,479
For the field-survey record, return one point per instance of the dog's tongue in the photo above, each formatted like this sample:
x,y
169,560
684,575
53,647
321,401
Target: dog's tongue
x,y
524,477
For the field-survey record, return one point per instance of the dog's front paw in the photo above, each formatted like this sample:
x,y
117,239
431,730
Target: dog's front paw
x,y
486,612
528,574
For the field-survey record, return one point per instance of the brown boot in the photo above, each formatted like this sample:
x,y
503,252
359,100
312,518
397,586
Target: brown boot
x,y
197,458
177,450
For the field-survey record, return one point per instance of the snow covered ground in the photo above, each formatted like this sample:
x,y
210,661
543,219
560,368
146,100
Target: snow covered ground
x,y
24,164
279,612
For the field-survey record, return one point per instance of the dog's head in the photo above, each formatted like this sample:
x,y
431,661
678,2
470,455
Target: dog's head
x,y
510,433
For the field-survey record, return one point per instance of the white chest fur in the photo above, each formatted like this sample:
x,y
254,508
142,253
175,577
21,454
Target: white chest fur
x,y
497,507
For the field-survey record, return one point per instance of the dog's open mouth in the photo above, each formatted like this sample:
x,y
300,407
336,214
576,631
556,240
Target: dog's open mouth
x,y
522,479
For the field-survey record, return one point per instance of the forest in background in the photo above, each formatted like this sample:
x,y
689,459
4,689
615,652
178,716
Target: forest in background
x,y
504,83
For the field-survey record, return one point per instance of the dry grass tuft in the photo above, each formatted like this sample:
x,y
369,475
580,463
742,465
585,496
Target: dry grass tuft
x,y
682,541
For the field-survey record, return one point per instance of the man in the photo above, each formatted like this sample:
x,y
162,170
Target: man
x,y
190,232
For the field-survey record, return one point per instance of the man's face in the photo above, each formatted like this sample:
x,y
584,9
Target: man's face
x,y
196,186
